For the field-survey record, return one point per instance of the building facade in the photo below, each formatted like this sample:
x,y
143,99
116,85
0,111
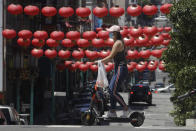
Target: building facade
x,y
30,83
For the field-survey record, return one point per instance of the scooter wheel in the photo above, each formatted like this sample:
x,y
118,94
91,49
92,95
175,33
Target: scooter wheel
x,y
88,118
137,119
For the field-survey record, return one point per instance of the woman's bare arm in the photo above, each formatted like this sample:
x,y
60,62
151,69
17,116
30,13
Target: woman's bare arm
x,y
115,50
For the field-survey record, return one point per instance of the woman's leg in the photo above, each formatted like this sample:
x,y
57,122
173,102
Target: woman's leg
x,y
120,75
112,98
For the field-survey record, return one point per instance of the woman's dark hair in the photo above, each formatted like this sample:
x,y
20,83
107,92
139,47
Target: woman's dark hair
x,y
118,36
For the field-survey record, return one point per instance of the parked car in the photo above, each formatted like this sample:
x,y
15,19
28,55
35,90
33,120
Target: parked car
x,y
11,115
168,88
146,82
140,93
3,120
159,85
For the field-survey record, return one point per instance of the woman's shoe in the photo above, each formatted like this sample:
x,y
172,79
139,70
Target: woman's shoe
x,y
125,113
110,114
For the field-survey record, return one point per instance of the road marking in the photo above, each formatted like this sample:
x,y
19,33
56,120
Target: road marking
x,y
163,127
68,126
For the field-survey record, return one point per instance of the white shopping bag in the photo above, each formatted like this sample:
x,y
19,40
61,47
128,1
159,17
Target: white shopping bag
x,y
102,80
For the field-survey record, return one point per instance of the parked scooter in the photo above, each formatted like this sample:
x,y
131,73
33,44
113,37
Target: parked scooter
x,y
182,97
99,104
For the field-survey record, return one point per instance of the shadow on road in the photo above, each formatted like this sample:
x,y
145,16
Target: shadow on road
x,y
140,106
136,106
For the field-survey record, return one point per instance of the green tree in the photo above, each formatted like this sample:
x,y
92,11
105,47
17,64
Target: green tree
x,y
180,57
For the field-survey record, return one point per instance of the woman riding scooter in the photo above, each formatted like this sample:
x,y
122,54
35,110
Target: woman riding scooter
x,y
120,72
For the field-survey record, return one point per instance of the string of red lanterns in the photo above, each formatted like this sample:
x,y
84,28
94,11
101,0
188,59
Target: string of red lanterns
x,y
49,11
141,66
132,36
147,36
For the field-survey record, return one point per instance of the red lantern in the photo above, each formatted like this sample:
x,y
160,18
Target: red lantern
x,y
73,67
52,43
40,35
83,11
132,54
150,31
166,35
89,35
131,66
38,43
66,11
157,53
129,41
83,67
77,63
103,34
49,11
111,64
50,53
57,35
31,10
124,32
100,11
91,54
98,43
108,67
104,54
152,65
165,42
83,43
163,49
157,39
142,40
9,33
89,63
133,63
15,9
25,34
23,42
149,43
109,42
98,29
67,43
94,68
150,9
165,9
136,32
73,35
64,54
162,65
134,10
145,54
78,54
68,63
141,67
37,52
160,29
116,11
167,29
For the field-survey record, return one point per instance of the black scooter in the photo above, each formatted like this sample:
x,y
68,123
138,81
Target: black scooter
x,y
182,97
99,104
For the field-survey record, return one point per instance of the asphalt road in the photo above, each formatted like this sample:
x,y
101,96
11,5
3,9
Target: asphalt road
x,y
157,119
91,128
156,115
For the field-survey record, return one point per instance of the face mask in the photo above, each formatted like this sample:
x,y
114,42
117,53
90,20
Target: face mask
x,y
111,35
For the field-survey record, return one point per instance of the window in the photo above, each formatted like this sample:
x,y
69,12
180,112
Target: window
x,y
7,115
